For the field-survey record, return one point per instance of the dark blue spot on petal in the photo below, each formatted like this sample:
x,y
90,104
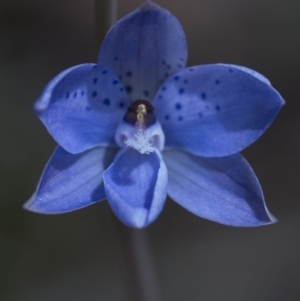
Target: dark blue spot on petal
x,y
230,70
203,95
185,81
87,108
179,66
163,62
129,73
146,93
104,71
95,80
164,88
121,89
82,93
94,94
169,67
182,59
128,89
106,101
181,91
67,95
75,95
167,117
178,106
159,97
121,104
200,115
115,82
180,118
191,69
217,107
217,81
116,58
95,66
176,77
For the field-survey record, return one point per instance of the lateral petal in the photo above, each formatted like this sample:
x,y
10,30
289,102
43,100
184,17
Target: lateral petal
x,y
82,107
215,110
224,190
70,182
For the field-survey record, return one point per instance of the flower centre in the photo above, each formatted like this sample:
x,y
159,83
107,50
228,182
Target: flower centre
x,y
140,129
140,113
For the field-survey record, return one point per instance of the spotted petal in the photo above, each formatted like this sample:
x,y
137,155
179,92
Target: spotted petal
x,y
215,110
136,187
82,106
70,182
250,71
144,49
224,190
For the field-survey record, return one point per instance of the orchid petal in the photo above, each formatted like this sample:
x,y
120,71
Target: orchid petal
x,y
250,71
224,190
144,49
70,182
136,187
82,106
215,110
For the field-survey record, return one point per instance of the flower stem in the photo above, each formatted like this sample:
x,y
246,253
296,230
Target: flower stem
x,y
142,279
106,16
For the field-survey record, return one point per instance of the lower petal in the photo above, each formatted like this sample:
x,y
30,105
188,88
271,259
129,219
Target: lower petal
x,y
224,190
136,187
70,182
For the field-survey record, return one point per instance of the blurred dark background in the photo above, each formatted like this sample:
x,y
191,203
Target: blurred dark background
x,y
77,256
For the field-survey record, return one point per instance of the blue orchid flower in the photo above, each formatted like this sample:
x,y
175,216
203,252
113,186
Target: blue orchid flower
x,y
140,125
